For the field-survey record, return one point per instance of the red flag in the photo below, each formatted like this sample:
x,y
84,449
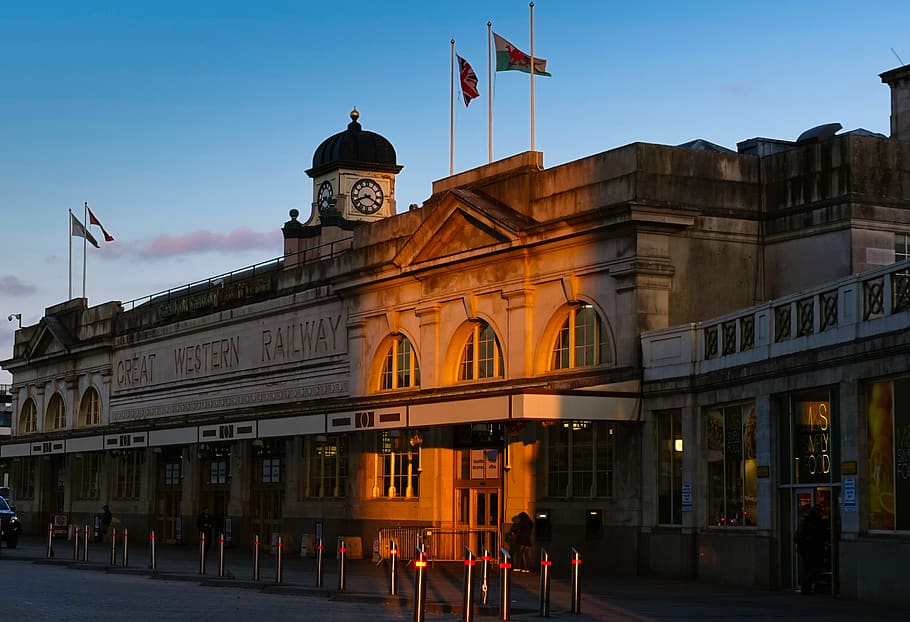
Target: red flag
x,y
94,221
468,80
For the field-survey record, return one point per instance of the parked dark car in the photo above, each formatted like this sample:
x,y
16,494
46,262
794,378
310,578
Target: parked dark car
x,y
10,527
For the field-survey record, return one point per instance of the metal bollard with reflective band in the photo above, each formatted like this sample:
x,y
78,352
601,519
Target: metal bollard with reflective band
x,y
485,576
342,557
319,551
576,582
505,578
221,555
201,553
470,560
126,547
420,585
545,564
85,544
113,545
256,557
393,568
75,543
279,569
153,551
50,540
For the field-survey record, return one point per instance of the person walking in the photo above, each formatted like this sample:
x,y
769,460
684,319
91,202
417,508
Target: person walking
x,y
106,519
520,539
810,546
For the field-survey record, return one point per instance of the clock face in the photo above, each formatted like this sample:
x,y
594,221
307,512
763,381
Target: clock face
x,y
324,196
366,196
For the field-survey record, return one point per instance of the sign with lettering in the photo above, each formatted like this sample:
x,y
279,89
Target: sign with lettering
x,y
687,497
812,436
228,349
374,419
849,494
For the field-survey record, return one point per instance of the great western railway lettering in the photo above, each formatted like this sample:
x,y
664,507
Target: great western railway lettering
x,y
300,340
136,371
207,357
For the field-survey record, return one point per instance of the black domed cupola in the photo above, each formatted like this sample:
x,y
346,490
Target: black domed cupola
x,y
354,148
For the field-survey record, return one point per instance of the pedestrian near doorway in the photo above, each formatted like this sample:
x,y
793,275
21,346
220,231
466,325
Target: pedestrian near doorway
x,y
205,523
520,542
810,546
106,519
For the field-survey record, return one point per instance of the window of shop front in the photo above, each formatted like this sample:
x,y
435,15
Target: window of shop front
x,y
127,474
669,467
400,369
218,472
23,478
325,466
732,474
481,357
271,470
582,341
28,417
888,413
89,475
56,413
90,408
397,465
580,459
172,473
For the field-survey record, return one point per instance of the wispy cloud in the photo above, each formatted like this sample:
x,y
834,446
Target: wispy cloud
x,y
14,286
166,246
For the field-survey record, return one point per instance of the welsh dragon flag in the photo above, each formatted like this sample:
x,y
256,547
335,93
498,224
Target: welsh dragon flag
x,y
510,58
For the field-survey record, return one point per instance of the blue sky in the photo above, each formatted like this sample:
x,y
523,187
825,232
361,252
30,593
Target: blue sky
x,y
187,126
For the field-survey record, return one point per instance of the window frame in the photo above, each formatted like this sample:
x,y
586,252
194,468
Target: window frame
x,y
564,354
396,466
90,408
727,440
399,354
326,467
571,460
59,413
127,480
28,417
481,355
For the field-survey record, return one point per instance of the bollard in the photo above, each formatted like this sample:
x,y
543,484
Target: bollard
x,y
469,562
485,576
85,544
256,557
221,555
50,540
126,547
576,591
153,560
319,549
393,568
505,595
545,564
202,553
278,574
113,545
342,556
75,543
420,585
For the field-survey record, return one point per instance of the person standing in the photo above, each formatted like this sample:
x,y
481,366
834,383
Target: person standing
x,y
810,546
521,542
205,524
106,519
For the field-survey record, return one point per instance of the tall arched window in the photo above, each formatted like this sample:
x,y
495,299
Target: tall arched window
x,y
56,414
481,357
28,417
582,340
400,368
90,409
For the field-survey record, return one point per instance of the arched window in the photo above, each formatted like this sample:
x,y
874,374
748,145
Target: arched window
x,y
28,417
56,414
582,340
481,357
400,369
90,409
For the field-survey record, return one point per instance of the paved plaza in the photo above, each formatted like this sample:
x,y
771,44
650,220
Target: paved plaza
x,y
39,588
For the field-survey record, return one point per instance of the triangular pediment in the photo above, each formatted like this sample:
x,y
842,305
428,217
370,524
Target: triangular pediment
x,y
51,339
462,221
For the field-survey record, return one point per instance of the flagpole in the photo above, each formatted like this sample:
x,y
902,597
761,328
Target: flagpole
x,y
84,247
69,228
452,109
531,5
489,92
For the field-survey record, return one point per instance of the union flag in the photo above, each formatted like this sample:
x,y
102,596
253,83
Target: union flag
x,y
468,80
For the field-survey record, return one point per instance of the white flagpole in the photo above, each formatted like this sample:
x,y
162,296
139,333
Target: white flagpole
x,y
489,92
84,245
69,230
532,75
452,111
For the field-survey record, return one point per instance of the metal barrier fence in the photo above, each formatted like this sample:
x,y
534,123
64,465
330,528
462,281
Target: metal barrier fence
x,y
449,544
406,539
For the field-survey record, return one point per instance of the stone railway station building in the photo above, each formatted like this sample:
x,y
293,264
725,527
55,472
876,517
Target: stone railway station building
x,y
664,354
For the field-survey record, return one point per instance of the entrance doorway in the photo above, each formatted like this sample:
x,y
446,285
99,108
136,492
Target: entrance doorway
x,y
479,519
823,497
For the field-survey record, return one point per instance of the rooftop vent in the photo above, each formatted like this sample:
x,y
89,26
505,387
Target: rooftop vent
x,y
819,132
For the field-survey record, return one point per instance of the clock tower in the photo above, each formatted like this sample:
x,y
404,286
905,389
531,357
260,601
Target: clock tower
x,y
353,176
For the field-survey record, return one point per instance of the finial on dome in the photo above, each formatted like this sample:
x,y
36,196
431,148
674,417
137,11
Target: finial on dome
x,y
354,125
294,214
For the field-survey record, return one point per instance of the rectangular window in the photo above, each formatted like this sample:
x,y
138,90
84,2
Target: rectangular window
x,y
90,476
580,459
732,477
397,466
127,475
172,474
23,486
888,406
325,466
271,470
218,472
669,468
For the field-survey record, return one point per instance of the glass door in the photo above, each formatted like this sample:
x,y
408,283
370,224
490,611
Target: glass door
x,y
804,499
